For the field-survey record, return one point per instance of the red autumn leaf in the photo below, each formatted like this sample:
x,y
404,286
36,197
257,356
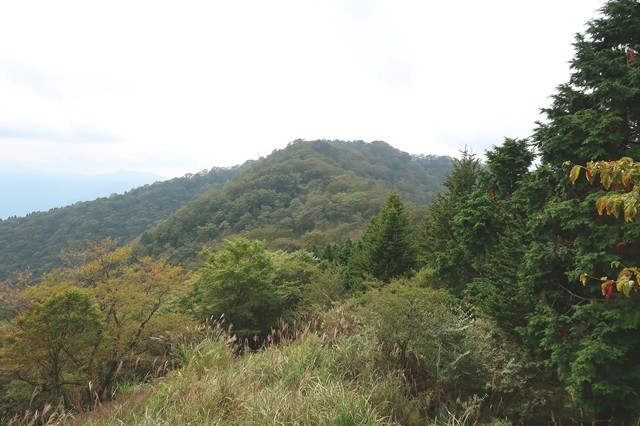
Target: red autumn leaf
x,y
616,186
589,175
607,289
619,247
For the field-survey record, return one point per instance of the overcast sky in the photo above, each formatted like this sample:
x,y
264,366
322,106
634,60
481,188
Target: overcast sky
x,y
177,87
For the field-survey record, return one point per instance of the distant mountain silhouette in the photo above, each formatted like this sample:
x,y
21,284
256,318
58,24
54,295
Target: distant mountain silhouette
x,y
28,192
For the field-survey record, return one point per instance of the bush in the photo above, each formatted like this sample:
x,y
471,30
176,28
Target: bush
x,y
457,365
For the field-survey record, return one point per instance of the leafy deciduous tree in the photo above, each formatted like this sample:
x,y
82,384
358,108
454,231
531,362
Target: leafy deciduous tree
x,y
51,343
622,201
238,282
131,296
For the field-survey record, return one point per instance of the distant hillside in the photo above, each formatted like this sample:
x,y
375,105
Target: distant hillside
x,y
28,192
35,242
309,192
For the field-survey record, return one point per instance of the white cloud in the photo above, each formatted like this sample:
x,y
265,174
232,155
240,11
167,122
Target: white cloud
x,y
178,87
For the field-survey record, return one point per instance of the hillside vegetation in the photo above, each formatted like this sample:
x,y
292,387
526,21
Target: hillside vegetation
x,y
25,192
317,288
331,187
34,243
337,372
310,192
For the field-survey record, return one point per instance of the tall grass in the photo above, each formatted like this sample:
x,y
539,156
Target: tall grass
x,y
329,372
315,375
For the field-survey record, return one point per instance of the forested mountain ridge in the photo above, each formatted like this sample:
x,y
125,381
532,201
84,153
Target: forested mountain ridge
x,y
33,243
330,186
310,192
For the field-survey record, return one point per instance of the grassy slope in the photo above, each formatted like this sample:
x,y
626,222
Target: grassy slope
x,y
314,380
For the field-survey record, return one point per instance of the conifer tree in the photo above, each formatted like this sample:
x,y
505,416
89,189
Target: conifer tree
x,y
507,165
593,342
544,232
439,247
494,223
596,114
388,249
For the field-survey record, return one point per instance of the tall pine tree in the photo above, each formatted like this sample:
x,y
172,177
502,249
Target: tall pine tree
x,y
495,225
440,247
520,261
593,342
387,246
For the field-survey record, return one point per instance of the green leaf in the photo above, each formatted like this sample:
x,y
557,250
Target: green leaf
x,y
606,179
627,287
575,173
629,213
624,284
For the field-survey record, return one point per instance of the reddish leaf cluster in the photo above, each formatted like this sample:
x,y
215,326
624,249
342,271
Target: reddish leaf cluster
x,y
607,289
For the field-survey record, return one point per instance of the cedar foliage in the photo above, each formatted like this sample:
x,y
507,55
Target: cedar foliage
x,y
388,249
593,343
520,240
441,249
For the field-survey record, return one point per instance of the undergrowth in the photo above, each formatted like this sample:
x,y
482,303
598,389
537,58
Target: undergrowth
x,y
310,377
333,371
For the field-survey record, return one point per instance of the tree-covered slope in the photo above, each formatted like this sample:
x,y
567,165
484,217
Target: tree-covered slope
x,y
309,192
33,243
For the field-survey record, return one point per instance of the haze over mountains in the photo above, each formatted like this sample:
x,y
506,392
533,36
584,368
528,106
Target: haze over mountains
x,y
24,192
287,199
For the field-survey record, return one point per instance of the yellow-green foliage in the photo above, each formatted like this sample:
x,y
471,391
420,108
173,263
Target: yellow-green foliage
x,y
301,383
80,331
332,372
